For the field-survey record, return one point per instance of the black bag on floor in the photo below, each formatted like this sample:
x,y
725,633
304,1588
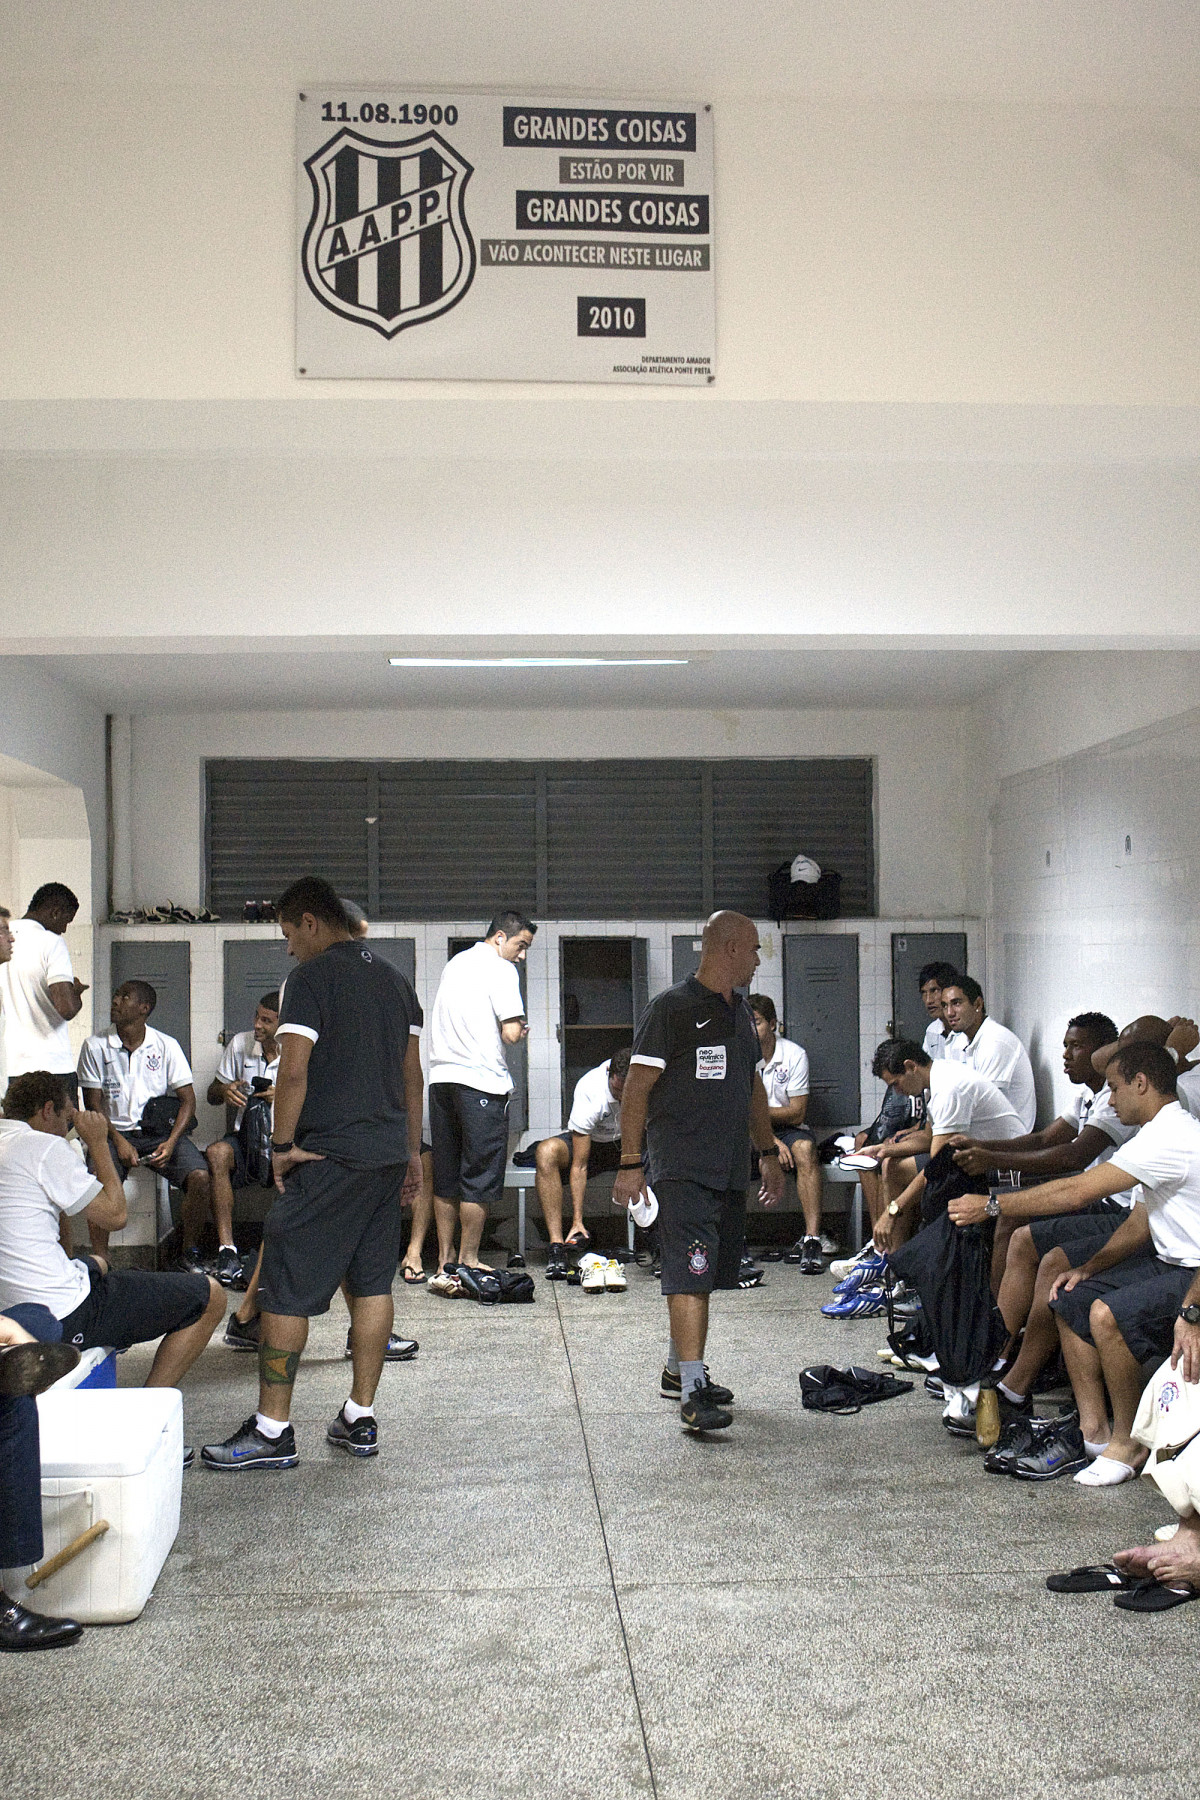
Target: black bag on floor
x,y
950,1266
496,1287
824,1388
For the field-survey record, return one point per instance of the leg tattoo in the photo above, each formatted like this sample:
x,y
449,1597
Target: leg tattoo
x,y
277,1368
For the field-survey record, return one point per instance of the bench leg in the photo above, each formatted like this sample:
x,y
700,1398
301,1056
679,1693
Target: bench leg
x,y
630,1225
856,1227
521,1221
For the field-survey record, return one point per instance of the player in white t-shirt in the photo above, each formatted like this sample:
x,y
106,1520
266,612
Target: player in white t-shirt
x,y
591,1145
477,1011
39,991
783,1070
988,1047
933,977
248,1065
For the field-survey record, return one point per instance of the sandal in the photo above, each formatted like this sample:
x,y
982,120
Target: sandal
x,y
1090,1578
1152,1596
413,1277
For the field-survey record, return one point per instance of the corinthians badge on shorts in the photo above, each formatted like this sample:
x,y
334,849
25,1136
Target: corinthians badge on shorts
x,y
388,244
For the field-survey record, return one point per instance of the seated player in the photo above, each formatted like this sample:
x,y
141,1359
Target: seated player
x,y
783,1069
119,1071
899,1113
42,1181
591,1145
249,1057
988,1047
932,979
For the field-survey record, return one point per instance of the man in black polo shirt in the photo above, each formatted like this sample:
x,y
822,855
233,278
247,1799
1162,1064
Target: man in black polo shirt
x,y
694,1093
349,1093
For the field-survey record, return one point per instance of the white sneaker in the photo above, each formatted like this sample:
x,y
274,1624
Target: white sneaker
x,y
614,1277
828,1246
844,1264
591,1273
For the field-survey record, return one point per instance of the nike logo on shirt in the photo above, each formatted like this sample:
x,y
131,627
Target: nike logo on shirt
x,y
701,1023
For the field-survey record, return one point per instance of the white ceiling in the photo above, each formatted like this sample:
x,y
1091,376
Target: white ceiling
x,y
1141,52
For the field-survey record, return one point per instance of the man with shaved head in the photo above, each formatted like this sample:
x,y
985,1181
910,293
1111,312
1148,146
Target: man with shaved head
x,y
692,1103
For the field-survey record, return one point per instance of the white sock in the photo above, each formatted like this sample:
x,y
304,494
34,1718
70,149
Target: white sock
x,y
1009,1394
232,1247
672,1357
1106,1471
352,1412
1095,1450
270,1428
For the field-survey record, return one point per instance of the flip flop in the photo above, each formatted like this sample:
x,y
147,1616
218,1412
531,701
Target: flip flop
x,y
773,1254
1151,1596
413,1277
1090,1578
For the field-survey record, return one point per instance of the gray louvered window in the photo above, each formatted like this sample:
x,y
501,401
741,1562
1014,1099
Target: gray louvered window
x,y
628,839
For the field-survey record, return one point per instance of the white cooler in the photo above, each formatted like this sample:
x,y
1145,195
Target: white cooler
x,y
114,1454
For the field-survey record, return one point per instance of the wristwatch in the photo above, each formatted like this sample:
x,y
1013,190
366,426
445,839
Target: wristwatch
x,y
282,1149
765,1153
992,1209
893,1209
1190,1314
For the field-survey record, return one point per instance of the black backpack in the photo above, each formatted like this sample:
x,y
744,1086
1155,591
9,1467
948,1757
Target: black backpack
x,y
824,1388
254,1135
496,1287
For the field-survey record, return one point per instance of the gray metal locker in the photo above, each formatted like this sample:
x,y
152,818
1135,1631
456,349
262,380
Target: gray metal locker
x,y
820,985
685,957
515,1055
167,966
253,967
911,950
401,953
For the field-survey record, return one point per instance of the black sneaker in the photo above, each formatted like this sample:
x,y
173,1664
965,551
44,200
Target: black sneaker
x,y
229,1268
399,1349
189,1455
249,1449
190,1262
671,1388
359,1439
933,1385
700,1412
1018,1436
656,1268
796,1253
811,1262
1058,1453
239,1336
556,1263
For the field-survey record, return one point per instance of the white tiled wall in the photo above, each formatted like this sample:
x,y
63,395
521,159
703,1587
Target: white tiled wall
x,y
1077,921
545,1081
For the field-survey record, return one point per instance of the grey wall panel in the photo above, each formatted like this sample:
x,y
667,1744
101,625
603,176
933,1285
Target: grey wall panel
x,y
766,812
623,840
820,984
910,951
253,967
456,840
401,952
268,823
685,957
167,966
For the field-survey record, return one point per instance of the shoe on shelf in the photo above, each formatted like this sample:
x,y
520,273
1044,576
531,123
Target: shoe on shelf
x,y
249,1449
359,1439
867,1303
1058,1452
239,1336
811,1262
591,1273
671,1388
614,1277
229,1268
399,1349
21,1629
556,1263
700,1412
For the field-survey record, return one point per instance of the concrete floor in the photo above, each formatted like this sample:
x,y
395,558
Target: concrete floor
x,y
543,1587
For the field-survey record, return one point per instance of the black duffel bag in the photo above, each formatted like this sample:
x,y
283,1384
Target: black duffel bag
x,y
788,899
824,1388
950,1266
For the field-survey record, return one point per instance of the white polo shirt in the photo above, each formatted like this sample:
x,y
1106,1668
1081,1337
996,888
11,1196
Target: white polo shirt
x,y
1165,1158
935,1040
595,1111
961,1100
243,1060
478,991
41,1178
1096,1109
998,1054
128,1078
785,1077
36,1036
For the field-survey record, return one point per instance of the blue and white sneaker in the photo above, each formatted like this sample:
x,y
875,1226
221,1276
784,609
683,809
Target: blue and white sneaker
x,y
867,1274
844,1264
867,1303
249,1449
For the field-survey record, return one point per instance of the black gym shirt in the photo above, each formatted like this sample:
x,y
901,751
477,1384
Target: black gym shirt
x,y
698,1115
359,1013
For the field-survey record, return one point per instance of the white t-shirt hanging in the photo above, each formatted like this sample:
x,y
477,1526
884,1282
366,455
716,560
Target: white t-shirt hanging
x,y
1096,1109
41,1178
36,1036
999,1055
785,1077
935,1040
478,991
128,1078
961,1100
243,1060
1164,1158
595,1112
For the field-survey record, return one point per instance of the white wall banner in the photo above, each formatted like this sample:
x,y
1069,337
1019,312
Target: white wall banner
x,y
475,237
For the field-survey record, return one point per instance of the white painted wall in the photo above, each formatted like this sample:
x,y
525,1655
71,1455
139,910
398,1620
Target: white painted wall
x,y
922,809
46,727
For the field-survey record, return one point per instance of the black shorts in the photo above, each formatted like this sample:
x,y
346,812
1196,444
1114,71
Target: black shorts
x,y
701,1236
602,1158
186,1161
330,1224
1143,1294
134,1306
790,1135
469,1130
1082,1233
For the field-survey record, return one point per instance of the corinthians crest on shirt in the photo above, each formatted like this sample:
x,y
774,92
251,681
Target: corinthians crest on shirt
x,y
387,244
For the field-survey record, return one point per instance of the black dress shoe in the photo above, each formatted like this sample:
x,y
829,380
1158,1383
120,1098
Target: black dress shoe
x,y
32,1368
21,1629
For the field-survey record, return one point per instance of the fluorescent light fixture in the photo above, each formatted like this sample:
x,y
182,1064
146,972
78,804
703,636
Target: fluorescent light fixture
x,y
538,662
